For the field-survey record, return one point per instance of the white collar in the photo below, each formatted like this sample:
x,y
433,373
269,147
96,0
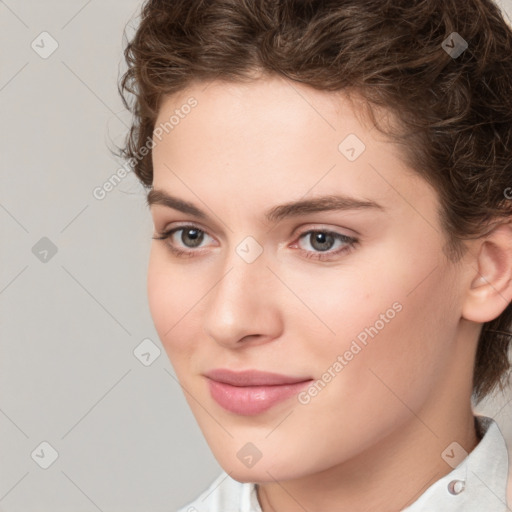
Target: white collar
x,y
478,483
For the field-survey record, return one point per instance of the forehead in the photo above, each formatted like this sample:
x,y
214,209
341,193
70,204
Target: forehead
x,y
279,99
271,140
267,115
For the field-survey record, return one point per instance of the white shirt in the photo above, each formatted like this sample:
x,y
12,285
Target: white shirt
x,y
477,484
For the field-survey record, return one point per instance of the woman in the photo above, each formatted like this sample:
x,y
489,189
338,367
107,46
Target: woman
x,y
331,270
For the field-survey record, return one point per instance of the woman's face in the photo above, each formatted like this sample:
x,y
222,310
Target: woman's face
x,y
359,300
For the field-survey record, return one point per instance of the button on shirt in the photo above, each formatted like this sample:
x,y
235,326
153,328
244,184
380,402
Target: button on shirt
x,y
477,484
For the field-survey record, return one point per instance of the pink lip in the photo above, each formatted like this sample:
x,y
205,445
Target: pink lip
x,y
252,392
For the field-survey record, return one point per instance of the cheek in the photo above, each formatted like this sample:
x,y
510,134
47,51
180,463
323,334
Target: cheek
x,y
396,320
404,358
171,297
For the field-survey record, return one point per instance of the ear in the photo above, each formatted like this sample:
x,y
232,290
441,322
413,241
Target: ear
x,y
490,289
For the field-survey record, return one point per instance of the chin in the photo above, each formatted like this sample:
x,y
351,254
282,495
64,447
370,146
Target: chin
x,y
264,471
253,475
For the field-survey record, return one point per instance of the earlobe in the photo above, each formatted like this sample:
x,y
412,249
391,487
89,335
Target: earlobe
x,y
490,289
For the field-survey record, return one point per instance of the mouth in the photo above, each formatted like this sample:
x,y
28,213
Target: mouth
x,y
252,392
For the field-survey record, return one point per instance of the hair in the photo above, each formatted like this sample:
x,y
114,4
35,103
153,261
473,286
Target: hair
x,y
453,113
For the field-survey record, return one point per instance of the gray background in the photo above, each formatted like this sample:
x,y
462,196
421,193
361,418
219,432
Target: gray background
x,y
70,321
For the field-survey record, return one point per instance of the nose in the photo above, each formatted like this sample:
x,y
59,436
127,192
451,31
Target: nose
x,y
243,307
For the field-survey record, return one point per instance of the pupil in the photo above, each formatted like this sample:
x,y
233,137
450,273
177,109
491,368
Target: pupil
x,y
323,239
192,234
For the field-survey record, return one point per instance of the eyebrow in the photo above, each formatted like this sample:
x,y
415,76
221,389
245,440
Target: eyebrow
x,y
276,213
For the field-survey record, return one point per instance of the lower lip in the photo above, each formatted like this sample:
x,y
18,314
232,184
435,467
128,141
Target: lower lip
x,y
251,400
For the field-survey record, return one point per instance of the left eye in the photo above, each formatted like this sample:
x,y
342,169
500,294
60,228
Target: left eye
x,y
324,240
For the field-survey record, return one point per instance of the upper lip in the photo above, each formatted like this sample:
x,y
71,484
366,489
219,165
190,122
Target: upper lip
x,y
252,378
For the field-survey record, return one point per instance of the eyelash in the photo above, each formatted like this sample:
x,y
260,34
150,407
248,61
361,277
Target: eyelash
x,y
320,256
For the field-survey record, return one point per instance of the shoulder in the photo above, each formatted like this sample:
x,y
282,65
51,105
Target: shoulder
x,y
225,494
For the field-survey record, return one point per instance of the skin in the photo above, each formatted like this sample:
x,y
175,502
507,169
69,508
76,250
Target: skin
x,y
372,438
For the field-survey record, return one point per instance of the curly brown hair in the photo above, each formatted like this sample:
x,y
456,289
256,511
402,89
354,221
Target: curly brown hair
x,y
454,112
